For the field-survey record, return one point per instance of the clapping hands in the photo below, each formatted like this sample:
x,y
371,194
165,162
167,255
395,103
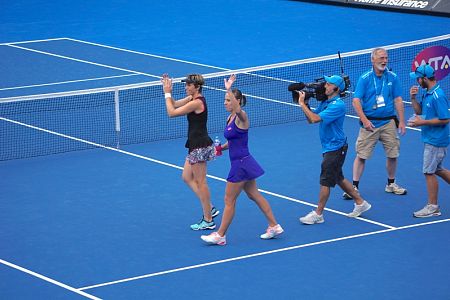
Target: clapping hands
x,y
167,83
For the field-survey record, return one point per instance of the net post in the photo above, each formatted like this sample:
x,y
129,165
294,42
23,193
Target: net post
x,y
117,116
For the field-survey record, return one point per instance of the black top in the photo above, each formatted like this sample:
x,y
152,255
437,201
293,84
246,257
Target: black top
x,y
197,132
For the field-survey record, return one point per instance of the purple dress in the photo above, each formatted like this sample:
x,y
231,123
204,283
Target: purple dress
x,y
243,166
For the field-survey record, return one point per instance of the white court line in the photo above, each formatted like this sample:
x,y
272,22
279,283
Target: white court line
x,y
45,278
64,82
85,61
93,144
174,166
32,41
348,237
160,57
147,54
326,208
333,56
181,168
284,64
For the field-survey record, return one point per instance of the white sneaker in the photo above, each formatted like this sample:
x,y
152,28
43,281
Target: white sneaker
x,y
214,238
359,209
272,232
312,218
395,188
430,210
347,196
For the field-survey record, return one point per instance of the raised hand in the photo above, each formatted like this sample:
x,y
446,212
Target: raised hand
x,y
229,82
167,83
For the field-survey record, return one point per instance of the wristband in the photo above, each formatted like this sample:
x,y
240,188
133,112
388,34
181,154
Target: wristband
x,y
167,95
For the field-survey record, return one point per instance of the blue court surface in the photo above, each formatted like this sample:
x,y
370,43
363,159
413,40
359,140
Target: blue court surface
x,y
92,204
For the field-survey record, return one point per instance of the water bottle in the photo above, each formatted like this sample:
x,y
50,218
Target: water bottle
x,y
217,146
411,119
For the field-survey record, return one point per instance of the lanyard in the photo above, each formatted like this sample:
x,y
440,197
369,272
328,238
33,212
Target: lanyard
x,y
375,84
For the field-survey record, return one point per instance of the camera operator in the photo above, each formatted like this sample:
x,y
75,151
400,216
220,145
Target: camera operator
x,y
331,114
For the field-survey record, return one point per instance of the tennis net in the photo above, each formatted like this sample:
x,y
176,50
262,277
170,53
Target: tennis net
x,y
61,122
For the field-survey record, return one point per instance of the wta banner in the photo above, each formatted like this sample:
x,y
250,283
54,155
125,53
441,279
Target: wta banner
x,y
438,57
440,7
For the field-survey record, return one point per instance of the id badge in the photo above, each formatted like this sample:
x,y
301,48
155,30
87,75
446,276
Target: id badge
x,y
380,101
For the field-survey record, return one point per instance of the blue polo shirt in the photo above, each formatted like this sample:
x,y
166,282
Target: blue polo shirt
x,y
435,105
331,129
369,86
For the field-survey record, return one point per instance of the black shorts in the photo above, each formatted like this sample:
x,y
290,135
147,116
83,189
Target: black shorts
x,y
331,168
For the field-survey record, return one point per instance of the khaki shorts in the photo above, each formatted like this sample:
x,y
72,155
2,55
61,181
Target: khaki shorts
x,y
386,134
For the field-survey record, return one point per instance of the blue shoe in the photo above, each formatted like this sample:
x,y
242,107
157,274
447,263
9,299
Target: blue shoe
x,y
214,212
203,225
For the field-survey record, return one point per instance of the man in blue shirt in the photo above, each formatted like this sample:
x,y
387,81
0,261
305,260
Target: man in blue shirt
x,y
331,114
432,113
376,98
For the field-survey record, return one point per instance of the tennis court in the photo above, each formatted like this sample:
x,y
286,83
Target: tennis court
x,y
92,204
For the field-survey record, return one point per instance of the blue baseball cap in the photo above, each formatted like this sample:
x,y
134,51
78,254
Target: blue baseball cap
x,y
422,71
336,80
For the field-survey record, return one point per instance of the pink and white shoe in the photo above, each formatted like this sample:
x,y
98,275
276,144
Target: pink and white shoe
x,y
214,239
272,232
